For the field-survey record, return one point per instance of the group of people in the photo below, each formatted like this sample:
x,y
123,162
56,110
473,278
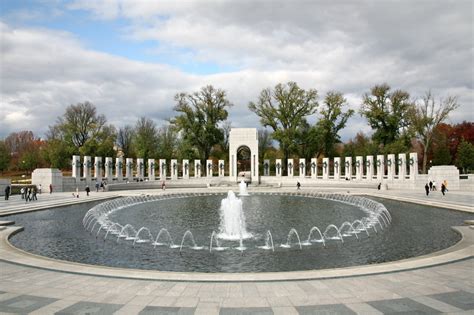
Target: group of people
x,y
431,186
29,193
102,185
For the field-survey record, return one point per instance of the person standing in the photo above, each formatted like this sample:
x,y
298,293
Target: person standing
x,y
427,189
50,188
88,190
7,192
298,185
434,185
77,192
446,185
40,188
163,185
22,192
431,185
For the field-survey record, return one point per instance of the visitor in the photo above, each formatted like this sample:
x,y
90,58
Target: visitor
x,y
97,186
434,185
28,195
163,185
77,192
7,192
40,188
379,186
431,185
427,189
50,188
445,185
298,185
34,194
102,186
88,190
443,189
22,192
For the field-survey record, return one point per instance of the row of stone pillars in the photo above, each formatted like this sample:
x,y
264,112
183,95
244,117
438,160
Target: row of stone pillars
x,y
364,169
108,172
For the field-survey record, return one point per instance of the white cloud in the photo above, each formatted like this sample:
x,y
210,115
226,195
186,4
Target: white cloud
x,y
344,46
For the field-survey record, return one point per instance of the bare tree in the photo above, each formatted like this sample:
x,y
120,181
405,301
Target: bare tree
x,y
125,140
426,116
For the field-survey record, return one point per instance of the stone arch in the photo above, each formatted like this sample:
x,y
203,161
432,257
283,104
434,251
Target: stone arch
x,y
243,137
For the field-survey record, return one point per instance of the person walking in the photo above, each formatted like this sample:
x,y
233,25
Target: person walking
x,y
7,192
434,186
427,189
40,188
34,194
379,186
446,185
443,189
431,185
163,185
50,188
298,185
77,192
97,186
88,190
28,195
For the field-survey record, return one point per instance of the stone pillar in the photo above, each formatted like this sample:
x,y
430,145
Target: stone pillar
x,y
163,167
413,165
140,169
337,168
380,167
109,164
185,169
197,168
119,168
325,168
98,168
221,168
266,167
290,166
174,169
402,166
151,169
278,167
359,165
76,166
314,168
302,168
390,166
87,168
369,164
129,169
348,167
209,168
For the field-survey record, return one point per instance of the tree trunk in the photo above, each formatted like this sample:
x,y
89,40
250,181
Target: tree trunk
x,y
425,158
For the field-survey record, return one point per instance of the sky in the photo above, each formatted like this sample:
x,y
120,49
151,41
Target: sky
x,y
130,58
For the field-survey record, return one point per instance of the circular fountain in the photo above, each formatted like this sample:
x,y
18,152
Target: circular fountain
x,y
217,232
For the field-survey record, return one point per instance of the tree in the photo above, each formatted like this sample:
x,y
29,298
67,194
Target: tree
x,y
145,141
4,157
284,109
426,116
56,153
386,112
465,155
23,143
333,119
84,131
264,142
200,115
167,140
125,140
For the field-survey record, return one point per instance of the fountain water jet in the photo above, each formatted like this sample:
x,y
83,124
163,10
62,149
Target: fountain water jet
x,y
232,224
243,189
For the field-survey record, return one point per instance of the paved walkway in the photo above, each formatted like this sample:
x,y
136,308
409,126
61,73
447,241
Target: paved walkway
x,y
446,288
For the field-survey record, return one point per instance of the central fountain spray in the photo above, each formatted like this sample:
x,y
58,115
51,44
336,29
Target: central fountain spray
x,y
243,189
232,225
